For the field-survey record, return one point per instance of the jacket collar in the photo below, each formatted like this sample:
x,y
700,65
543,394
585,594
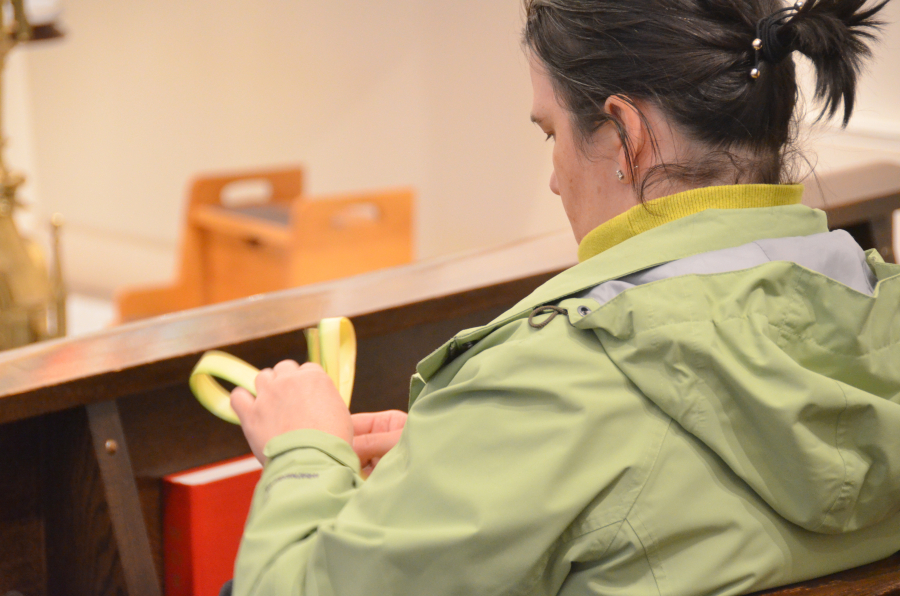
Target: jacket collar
x,y
709,230
657,212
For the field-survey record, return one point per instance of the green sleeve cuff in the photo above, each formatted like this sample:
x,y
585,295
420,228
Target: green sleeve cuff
x,y
334,447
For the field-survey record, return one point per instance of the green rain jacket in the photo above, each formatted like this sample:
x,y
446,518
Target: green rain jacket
x,y
704,433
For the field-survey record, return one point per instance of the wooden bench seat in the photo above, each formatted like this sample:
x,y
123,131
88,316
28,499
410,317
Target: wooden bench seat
x,y
881,578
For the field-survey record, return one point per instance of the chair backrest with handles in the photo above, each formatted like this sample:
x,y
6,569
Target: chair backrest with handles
x,y
343,235
273,186
281,185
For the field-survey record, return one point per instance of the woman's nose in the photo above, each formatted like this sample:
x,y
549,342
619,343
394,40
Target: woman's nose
x,y
554,187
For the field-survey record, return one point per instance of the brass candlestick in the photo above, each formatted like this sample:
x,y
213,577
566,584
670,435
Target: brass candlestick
x,y
32,302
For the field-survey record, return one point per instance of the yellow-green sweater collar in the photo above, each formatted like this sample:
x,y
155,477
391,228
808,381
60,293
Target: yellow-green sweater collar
x,y
665,209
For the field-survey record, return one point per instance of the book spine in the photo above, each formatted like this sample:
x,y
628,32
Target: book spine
x,y
177,541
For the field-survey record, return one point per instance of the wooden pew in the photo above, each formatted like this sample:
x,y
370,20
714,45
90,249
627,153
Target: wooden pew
x,y
860,200
881,578
88,426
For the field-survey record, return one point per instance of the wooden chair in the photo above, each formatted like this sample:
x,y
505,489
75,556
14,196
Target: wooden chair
x,y
232,251
246,251
279,188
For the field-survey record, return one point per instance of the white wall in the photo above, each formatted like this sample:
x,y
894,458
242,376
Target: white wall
x,y
111,122
141,96
874,130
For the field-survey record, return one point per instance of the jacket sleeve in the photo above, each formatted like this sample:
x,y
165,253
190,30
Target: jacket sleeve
x,y
486,489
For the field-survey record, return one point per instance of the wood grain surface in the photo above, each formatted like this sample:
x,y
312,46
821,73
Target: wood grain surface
x,y
81,549
881,578
22,562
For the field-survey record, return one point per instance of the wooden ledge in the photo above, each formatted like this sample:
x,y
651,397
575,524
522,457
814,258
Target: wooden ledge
x,y
881,578
56,375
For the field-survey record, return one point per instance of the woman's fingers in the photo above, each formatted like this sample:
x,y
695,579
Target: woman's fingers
x,y
285,366
291,397
372,422
241,402
374,434
263,379
373,446
267,376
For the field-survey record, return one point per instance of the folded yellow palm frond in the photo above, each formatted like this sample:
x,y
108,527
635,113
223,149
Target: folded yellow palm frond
x,y
332,345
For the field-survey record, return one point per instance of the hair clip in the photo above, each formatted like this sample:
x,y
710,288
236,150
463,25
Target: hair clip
x,y
766,45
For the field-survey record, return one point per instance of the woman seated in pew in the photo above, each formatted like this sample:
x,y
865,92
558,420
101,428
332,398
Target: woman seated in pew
x,y
706,404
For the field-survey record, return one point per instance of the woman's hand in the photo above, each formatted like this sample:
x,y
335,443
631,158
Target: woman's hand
x,y
374,434
290,397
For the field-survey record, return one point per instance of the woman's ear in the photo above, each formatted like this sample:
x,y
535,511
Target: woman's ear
x,y
636,135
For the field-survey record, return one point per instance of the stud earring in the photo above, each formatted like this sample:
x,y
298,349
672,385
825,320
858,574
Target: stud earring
x,y
620,175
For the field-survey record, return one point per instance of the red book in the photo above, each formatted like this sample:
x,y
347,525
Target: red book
x,y
204,513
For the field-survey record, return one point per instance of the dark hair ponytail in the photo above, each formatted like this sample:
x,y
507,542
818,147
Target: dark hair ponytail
x,y
833,35
693,59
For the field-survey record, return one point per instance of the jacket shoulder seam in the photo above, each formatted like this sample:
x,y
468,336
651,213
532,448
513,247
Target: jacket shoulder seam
x,y
655,569
637,491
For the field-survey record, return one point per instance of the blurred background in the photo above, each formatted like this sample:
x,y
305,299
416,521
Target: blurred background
x,y
112,121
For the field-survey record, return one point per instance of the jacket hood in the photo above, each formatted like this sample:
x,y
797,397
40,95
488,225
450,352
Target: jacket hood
x,y
790,376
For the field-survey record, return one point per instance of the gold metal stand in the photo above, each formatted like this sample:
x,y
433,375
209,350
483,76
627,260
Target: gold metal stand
x,y
32,302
